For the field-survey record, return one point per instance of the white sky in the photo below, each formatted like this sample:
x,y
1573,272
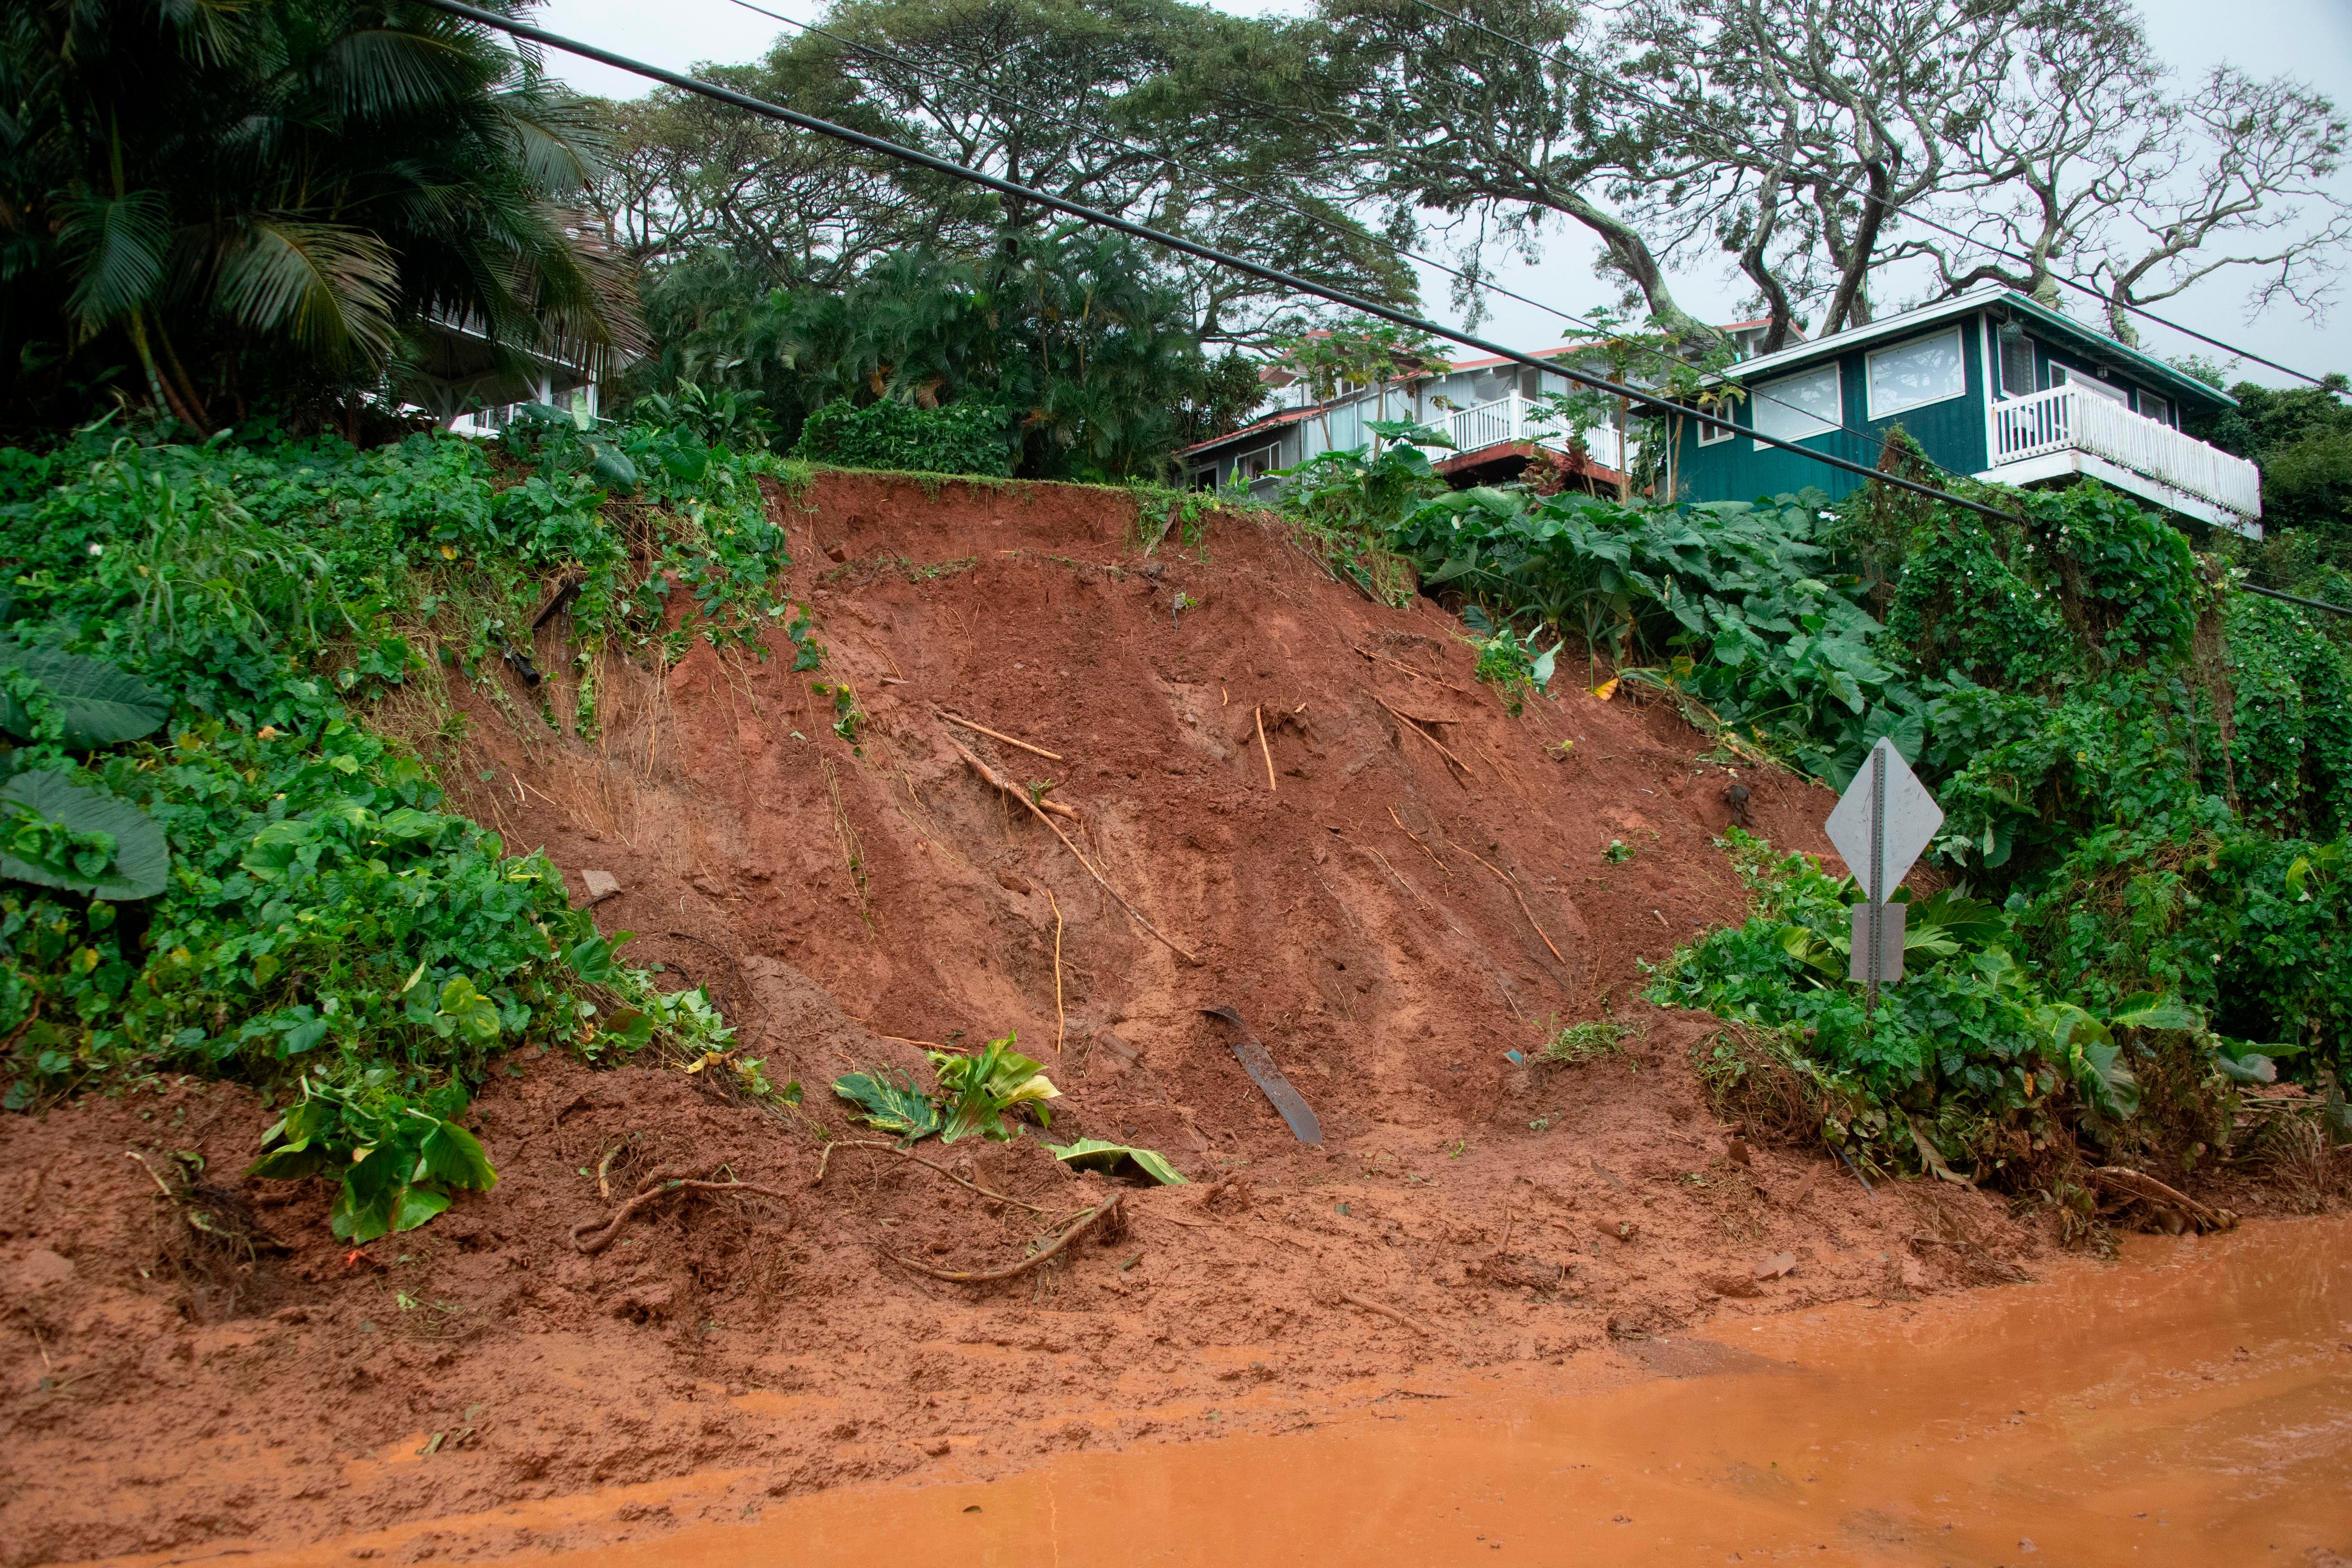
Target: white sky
x,y
2311,40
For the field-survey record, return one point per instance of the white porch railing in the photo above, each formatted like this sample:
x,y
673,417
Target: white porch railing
x,y
1518,418
2067,418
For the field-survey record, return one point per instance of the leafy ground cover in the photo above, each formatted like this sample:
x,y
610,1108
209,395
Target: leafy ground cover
x,y
2142,771
216,869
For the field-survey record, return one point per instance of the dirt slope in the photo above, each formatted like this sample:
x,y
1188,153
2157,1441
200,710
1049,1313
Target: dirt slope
x,y
846,900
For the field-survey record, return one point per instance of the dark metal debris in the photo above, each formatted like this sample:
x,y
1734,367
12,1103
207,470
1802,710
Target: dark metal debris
x,y
1261,1069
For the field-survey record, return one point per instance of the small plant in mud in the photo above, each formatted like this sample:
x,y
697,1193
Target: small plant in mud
x,y
1038,790
1508,661
975,1092
1577,1043
1618,852
847,716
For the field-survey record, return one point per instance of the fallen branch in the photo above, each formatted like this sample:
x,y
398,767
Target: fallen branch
x,y
2147,1189
826,1157
994,777
1414,725
1369,1305
961,722
1265,750
1084,1222
1516,894
661,1185
604,1171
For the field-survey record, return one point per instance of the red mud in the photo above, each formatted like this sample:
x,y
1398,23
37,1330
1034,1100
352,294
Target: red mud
x,y
843,902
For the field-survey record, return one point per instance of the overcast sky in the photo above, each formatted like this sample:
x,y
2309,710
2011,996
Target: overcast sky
x,y
2309,38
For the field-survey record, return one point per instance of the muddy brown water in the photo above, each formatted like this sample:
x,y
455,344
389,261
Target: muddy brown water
x,y
2191,1404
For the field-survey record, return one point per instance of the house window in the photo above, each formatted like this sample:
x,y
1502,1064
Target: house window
x,y
2017,377
2061,376
1924,371
1800,405
1715,435
1256,465
2152,406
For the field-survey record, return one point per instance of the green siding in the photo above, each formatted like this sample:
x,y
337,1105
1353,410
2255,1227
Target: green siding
x,y
1952,432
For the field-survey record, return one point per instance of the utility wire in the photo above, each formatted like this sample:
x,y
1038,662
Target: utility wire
x,y
917,156
1641,98
942,77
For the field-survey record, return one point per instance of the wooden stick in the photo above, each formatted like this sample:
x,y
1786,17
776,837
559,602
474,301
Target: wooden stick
x,y
1086,1222
990,775
1060,1020
1417,675
1409,833
1414,725
1266,749
1369,1305
2147,1189
957,719
1516,894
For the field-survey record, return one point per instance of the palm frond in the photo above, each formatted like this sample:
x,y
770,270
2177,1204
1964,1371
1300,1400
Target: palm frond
x,y
327,288
116,247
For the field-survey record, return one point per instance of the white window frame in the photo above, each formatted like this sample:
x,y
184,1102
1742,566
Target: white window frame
x,y
1870,380
2163,417
1764,393
1712,436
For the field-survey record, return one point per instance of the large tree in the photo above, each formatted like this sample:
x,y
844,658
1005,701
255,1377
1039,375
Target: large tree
x,y
1102,104
266,198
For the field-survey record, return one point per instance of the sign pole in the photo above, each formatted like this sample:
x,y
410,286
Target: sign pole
x,y
1876,893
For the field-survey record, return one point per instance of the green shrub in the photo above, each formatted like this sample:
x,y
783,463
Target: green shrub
x,y
962,438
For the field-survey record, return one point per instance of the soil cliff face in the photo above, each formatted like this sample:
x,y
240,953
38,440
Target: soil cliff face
x,y
1281,798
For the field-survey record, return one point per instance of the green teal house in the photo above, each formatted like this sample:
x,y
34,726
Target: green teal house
x,y
1991,384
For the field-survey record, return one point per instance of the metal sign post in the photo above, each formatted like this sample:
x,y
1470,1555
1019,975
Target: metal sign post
x,y
1882,823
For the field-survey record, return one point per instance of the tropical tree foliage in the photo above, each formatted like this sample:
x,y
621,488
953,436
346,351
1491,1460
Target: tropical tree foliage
x,y
1072,333
210,206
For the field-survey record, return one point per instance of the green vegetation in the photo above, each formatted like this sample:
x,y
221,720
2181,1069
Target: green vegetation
x,y
973,1094
1044,356
2143,772
215,869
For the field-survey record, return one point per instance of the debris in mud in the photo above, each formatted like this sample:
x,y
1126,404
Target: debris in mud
x,y
1256,1061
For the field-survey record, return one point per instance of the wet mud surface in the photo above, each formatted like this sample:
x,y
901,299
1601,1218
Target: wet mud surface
x,y
1398,907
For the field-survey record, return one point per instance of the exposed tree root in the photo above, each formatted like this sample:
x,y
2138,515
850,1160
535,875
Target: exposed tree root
x,y
1109,1217
662,1183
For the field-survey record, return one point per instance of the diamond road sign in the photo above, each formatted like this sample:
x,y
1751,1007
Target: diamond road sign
x,y
1912,818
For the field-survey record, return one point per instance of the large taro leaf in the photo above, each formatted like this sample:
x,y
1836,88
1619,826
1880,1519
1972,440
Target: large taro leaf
x,y
99,704
142,860
1095,1155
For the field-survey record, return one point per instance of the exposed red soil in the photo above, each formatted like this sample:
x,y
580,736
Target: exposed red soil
x,y
843,902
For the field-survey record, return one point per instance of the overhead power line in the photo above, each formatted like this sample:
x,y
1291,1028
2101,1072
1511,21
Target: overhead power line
x,y
1079,210
1636,95
938,75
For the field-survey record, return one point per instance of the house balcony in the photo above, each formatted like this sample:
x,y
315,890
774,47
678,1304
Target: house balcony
x,y
2071,430
1488,430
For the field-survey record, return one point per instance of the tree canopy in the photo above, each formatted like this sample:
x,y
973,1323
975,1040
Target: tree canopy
x,y
212,204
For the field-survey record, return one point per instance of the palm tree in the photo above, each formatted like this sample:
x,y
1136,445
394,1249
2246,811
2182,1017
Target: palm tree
x,y
276,197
